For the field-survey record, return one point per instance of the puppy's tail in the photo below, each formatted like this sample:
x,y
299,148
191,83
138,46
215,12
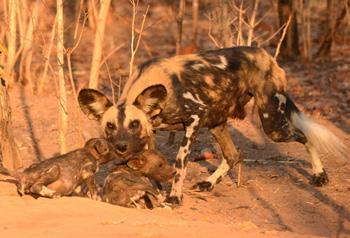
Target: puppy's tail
x,y
317,135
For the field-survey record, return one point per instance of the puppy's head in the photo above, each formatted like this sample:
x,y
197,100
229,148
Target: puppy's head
x,y
153,165
126,126
102,151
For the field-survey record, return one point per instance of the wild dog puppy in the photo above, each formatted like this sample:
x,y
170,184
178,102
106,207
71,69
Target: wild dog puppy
x,y
152,164
188,92
61,175
129,185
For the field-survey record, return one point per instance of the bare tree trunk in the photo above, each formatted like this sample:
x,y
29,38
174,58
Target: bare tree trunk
x,y
327,42
330,15
195,10
9,152
5,9
290,44
21,17
227,34
10,157
27,51
2,32
99,35
11,41
306,29
91,8
308,42
179,20
47,59
62,87
252,23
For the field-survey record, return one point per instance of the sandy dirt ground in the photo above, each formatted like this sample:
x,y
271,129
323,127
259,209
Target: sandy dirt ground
x,y
275,199
74,217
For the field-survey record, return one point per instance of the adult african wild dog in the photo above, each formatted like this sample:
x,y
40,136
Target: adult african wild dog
x,y
188,92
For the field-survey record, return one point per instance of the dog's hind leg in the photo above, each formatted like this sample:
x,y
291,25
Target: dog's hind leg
x,y
283,122
47,177
231,158
319,176
45,192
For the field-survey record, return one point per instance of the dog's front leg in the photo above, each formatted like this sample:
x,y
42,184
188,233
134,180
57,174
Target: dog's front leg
x,y
46,177
152,141
88,175
191,127
231,158
90,183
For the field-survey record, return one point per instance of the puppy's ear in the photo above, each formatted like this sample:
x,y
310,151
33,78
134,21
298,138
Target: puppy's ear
x,y
152,100
101,146
100,149
136,164
93,103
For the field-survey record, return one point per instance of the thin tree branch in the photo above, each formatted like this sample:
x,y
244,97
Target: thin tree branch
x,y
135,48
282,37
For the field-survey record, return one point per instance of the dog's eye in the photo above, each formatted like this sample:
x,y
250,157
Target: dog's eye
x,y
111,126
154,117
134,124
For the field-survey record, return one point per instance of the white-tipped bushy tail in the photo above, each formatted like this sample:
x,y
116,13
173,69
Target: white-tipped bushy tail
x,y
319,136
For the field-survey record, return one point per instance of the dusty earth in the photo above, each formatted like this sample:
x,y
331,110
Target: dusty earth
x,y
275,199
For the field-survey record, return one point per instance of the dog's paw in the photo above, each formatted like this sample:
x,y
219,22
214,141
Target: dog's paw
x,y
96,197
319,179
173,201
46,192
203,186
56,195
20,192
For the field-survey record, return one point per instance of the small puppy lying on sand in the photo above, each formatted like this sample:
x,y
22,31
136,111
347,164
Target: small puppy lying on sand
x,y
129,185
62,175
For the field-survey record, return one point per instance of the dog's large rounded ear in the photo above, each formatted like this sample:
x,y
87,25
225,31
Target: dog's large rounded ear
x,y
93,103
152,100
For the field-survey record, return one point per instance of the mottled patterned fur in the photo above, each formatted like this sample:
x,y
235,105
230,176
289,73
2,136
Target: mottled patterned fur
x,y
62,175
189,92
